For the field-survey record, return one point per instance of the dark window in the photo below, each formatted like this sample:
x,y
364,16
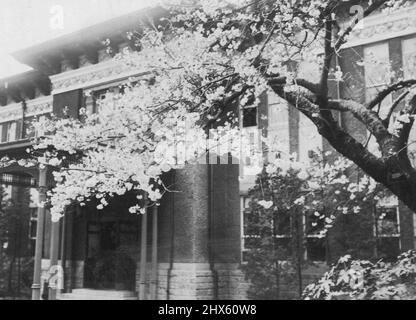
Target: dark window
x,y
387,222
388,248
284,246
316,249
315,244
387,232
282,224
314,223
98,96
249,117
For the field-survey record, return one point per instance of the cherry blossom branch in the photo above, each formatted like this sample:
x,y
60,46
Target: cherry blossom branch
x,y
394,87
386,121
369,118
323,94
404,132
313,87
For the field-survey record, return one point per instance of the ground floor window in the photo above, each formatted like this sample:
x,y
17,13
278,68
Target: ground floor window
x,y
387,232
316,244
282,226
33,222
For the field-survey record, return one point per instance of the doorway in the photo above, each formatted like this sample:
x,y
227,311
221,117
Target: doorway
x,y
111,253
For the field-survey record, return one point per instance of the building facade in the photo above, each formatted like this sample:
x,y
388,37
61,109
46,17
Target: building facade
x,y
192,245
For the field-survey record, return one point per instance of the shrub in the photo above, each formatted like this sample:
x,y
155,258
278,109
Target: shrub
x,y
365,280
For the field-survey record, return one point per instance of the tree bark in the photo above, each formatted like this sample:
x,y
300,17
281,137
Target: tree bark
x,y
393,169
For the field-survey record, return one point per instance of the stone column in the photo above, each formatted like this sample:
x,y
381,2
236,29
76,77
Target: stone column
x,y
54,251
153,280
36,286
143,257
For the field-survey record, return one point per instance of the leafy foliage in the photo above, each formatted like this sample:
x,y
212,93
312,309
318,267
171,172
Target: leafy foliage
x,y
361,279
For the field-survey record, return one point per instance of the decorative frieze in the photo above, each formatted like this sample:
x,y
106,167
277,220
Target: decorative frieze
x,y
34,107
39,106
11,112
383,26
92,75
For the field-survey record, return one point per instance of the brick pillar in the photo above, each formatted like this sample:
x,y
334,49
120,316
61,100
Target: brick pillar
x,y
191,276
193,244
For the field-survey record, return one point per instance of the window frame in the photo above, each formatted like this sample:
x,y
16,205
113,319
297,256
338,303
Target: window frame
x,y
244,201
380,237
11,131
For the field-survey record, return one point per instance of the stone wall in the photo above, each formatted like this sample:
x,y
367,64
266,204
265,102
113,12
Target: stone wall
x,y
196,281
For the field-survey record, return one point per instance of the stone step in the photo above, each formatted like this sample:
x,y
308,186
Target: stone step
x,y
91,294
80,297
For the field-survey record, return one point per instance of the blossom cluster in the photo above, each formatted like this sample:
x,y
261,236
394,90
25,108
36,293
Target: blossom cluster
x,y
325,189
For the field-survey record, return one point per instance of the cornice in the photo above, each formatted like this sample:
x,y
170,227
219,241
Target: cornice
x,y
384,26
92,76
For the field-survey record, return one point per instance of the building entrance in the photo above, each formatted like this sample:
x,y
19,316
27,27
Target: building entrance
x,y
112,251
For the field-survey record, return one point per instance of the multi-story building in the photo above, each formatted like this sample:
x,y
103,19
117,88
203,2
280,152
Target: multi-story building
x,y
192,246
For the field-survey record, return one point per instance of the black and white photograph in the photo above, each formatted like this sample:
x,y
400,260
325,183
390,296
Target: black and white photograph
x,y
224,151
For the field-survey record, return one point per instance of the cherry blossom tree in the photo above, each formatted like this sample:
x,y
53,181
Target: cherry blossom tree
x,y
197,64
291,201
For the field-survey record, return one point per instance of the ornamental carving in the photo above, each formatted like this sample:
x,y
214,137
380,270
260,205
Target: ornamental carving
x,y
11,112
91,75
34,107
39,106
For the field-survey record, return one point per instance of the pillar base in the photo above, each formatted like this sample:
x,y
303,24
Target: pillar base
x,y
186,281
196,281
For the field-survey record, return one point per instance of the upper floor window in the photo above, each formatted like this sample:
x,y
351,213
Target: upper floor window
x,y
278,126
377,77
309,138
11,132
249,117
409,58
40,132
251,151
93,100
377,70
409,72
